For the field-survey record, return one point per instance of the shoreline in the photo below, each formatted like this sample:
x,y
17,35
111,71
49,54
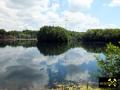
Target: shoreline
x,y
2,40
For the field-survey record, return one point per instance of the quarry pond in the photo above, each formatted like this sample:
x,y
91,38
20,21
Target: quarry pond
x,y
27,66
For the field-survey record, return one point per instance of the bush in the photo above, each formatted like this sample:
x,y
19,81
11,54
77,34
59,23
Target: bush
x,y
111,65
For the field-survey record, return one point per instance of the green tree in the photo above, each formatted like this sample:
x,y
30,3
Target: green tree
x,y
53,34
102,35
2,33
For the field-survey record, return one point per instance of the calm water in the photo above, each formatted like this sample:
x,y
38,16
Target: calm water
x,y
25,66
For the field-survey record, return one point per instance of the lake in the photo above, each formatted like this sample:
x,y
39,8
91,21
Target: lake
x,y
27,66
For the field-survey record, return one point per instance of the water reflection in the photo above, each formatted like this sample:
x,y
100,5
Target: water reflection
x,y
52,48
55,49
96,47
30,69
22,77
24,43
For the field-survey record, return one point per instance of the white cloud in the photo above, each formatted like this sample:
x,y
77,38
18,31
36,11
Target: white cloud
x,y
80,21
105,26
18,4
17,14
114,3
77,4
32,14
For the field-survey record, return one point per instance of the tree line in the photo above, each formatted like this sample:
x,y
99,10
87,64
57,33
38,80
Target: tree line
x,y
25,34
102,35
60,34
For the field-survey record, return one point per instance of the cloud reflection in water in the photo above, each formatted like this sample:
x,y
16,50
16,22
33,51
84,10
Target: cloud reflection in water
x,y
27,68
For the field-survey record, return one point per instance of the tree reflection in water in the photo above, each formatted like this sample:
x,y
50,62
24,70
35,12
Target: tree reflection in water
x,y
53,48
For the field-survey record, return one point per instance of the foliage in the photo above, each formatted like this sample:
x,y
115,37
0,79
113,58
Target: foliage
x,y
53,34
92,35
76,36
104,35
25,34
23,43
2,31
111,65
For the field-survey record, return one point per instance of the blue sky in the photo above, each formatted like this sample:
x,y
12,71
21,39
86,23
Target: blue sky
x,y
77,15
107,14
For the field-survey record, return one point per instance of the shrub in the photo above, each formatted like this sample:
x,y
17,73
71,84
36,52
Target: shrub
x,y
111,65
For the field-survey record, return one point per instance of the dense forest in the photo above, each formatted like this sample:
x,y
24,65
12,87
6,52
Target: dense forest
x,y
60,34
102,35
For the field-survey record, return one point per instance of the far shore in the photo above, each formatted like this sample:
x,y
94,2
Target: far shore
x,y
34,39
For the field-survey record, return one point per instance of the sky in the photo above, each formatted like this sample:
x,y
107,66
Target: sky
x,y
74,15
